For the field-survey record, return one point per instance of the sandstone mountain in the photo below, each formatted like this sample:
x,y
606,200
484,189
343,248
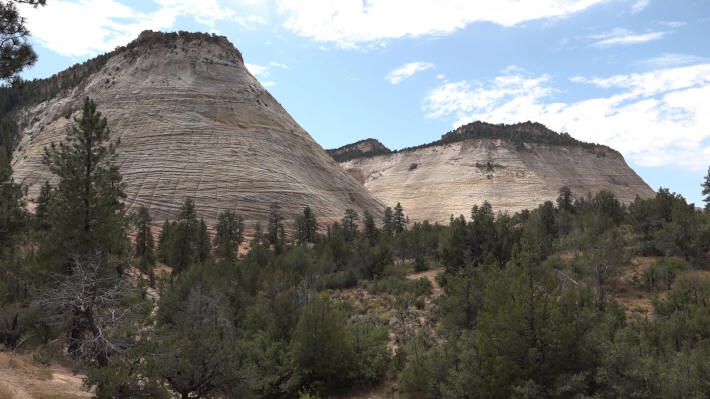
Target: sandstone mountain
x,y
511,166
193,122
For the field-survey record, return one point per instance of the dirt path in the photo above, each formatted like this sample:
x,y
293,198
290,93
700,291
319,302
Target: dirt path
x,y
431,276
435,292
22,379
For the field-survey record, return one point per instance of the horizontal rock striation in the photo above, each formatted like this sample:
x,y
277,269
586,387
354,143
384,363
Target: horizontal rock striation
x,y
437,180
193,122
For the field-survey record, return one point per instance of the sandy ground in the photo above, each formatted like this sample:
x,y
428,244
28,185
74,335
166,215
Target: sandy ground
x,y
20,378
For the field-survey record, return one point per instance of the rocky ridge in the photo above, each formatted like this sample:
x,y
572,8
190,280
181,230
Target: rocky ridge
x,y
514,167
193,122
362,148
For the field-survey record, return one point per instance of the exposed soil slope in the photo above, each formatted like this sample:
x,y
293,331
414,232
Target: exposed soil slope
x,y
20,378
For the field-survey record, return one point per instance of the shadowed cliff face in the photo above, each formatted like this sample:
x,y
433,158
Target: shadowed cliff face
x,y
193,122
440,179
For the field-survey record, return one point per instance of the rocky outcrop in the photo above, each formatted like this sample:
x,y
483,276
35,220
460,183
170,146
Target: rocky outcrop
x,y
515,172
193,122
362,148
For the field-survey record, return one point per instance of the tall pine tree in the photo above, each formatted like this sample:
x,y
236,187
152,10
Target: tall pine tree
x,y
370,228
275,225
310,224
350,223
184,248
399,220
144,239
388,222
42,208
16,53
706,191
12,212
204,243
86,215
229,235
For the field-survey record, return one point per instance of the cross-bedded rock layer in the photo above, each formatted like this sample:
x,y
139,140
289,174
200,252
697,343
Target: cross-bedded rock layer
x,y
443,178
193,122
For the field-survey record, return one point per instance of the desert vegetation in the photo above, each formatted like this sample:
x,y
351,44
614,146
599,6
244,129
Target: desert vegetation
x,y
522,305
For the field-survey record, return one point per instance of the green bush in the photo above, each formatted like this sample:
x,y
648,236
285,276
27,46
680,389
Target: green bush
x,y
339,280
663,272
400,286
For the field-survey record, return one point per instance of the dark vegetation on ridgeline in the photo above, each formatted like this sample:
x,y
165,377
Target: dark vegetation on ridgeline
x,y
354,150
529,305
517,133
22,93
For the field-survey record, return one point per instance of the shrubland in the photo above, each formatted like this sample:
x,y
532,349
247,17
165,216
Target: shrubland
x,y
529,303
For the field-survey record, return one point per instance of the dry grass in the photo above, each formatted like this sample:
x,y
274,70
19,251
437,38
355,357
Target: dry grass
x,y
22,378
42,392
25,367
628,291
8,392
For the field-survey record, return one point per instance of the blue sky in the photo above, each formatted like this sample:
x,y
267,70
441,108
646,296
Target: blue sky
x,y
631,74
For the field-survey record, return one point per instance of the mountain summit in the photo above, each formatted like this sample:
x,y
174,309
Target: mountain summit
x,y
514,167
193,122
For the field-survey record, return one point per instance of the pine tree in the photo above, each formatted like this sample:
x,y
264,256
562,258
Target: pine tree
x,y
388,222
204,244
300,223
310,224
16,52
399,220
229,235
706,191
184,245
165,241
349,223
564,199
144,239
275,223
12,212
86,214
416,246
42,208
370,228
258,235
318,345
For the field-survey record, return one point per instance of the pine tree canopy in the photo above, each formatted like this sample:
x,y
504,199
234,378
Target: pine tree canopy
x,y
86,214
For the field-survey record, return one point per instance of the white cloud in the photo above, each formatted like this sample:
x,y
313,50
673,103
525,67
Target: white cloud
x,y
259,71
406,71
672,24
263,71
278,65
656,118
639,5
87,27
624,37
350,23
666,60
250,21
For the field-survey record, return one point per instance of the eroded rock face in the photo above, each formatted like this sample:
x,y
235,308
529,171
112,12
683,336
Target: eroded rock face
x,y
193,122
433,182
